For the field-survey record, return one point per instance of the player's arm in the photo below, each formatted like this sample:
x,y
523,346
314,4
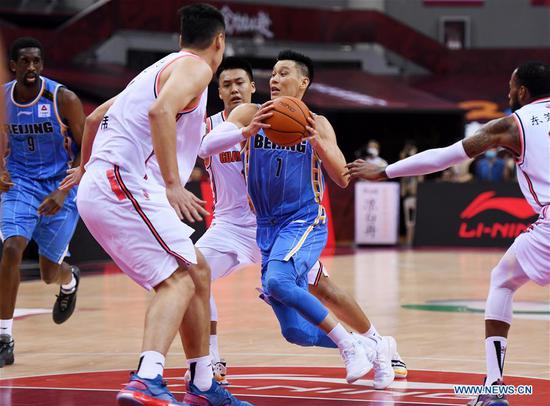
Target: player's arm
x,y
243,122
323,140
5,182
70,108
89,131
502,132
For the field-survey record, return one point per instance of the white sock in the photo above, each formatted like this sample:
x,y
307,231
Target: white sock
x,y
70,287
6,327
495,351
201,372
339,334
151,364
373,334
214,351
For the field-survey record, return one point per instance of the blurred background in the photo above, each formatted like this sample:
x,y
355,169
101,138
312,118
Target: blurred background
x,y
394,77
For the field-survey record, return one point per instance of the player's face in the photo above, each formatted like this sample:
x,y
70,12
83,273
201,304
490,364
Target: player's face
x,y
28,66
287,80
235,88
515,93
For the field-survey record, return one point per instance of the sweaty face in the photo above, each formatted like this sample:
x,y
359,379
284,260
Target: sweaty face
x,y
235,88
514,94
287,80
28,66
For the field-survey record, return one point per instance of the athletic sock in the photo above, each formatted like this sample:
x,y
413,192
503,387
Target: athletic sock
x,y
201,372
339,335
495,352
214,351
151,364
69,287
372,334
6,327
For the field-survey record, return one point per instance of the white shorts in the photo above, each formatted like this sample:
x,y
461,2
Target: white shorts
x,y
132,220
239,242
533,249
236,241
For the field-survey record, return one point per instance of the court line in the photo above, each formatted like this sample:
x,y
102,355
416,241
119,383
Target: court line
x,y
274,354
376,401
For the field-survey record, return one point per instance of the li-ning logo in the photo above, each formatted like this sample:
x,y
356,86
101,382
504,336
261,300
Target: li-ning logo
x,y
514,206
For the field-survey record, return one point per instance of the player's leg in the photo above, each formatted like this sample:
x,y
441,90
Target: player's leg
x,y
506,278
194,332
18,220
387,362
53,235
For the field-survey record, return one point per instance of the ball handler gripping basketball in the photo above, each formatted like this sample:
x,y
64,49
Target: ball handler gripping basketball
x,y
285,185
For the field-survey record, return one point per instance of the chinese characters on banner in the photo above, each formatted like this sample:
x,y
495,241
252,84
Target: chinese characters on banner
x,y
376,213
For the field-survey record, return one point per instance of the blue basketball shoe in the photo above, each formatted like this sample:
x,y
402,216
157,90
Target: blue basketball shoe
x,y
146,392
215,396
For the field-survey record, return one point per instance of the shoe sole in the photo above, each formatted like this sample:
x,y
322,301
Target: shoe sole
x,y
9,361
392,350
139,399
400,373
196,400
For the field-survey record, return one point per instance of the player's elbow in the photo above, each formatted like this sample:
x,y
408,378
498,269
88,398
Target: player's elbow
x,y
343,181
157,113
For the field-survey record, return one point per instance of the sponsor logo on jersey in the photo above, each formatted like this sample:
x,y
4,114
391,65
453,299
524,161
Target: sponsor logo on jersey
x,y
44,110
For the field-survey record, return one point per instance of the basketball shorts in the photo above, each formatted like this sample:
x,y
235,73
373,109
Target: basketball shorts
x,y
299,239
19,214
135,224
533,249
232,239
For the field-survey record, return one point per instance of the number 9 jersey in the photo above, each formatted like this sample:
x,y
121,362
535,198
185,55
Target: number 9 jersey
x,y
40,145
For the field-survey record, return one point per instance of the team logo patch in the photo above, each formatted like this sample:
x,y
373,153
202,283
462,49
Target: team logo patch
x,y
270,386
44,110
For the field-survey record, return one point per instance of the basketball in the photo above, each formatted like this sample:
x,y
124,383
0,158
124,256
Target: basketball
x,y
288,122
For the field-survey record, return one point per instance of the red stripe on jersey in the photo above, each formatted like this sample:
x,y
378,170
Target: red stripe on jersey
x,y
145,218
115,187
532,189
521,157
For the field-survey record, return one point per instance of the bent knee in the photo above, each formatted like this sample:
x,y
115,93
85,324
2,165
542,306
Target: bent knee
x,y
296,336
12,250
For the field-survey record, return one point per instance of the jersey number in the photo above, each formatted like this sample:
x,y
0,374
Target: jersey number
x,y
279,166
30,143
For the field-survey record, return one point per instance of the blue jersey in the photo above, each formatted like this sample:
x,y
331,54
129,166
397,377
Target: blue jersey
x,y
283,182
40,144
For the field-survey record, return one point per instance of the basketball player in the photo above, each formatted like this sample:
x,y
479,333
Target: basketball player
x,y
43,124
525,133
291,228
230,242
136,219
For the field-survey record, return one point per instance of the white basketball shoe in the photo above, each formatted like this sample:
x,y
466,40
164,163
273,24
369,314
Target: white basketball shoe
x,y
357,359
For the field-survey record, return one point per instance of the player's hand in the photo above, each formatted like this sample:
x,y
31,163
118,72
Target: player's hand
x,y
187,206
53,203
312,134
5,181
73,178
257,120
359,169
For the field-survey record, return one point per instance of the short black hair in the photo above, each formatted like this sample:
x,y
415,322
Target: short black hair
x,y
234,62
535,76
199,24
304,62
24,42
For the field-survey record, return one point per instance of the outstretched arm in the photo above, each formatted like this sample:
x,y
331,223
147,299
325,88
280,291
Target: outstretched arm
x,y
502,132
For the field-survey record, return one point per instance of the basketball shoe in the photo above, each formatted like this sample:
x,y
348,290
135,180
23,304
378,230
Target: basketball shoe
x,y
215,396
6,350
490,400
66,302
220,371
146,392
384,350
399,366
357,358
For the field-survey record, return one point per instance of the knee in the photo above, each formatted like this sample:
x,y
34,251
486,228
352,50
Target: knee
x,y
295,336
12,252
275,288
201,277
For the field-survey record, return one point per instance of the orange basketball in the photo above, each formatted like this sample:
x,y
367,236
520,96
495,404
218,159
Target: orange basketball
x,y
288,122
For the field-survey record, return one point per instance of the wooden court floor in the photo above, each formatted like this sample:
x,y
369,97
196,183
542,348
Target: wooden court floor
x,y
429,300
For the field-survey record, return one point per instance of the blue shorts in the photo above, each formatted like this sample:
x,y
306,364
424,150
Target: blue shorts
x,y
299,238
19,214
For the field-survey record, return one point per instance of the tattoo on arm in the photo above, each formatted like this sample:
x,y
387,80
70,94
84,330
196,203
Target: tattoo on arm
x,y
502,132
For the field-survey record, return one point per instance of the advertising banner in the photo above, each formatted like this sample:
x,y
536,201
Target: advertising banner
x,y
470,214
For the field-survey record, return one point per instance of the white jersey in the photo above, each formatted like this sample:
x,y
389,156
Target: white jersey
x,y
231,202
124,136
534,163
